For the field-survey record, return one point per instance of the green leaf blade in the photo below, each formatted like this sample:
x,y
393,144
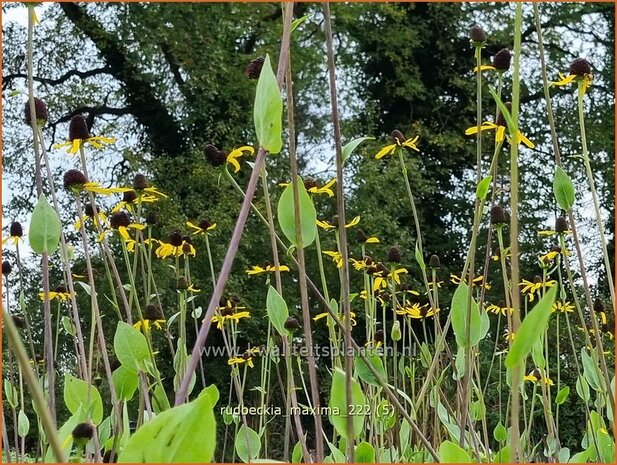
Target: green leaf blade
x,y
45,228
268,110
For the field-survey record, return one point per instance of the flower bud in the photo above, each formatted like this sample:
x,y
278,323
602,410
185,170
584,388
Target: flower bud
x,y
395,333
291,324
501,60
580,67
140,182
477,35
78,128
175,238
434,262
118,219
16,230
40,110
182,283
253,70
398,137
6,268
561,225
497,215
213,155
74,179
129,196
394,255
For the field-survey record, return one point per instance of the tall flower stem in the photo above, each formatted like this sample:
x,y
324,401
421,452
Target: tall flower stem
x,y
517,371
235,239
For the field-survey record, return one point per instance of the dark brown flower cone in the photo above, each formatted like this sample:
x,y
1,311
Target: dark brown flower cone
x,y
580,67
40,109
502,59
561,225
118,219
394,255
398,137
6,268
16,229
140,182
175,239
253,70
74,179
497,215
153,312
477,34
434,262
78,128
213,155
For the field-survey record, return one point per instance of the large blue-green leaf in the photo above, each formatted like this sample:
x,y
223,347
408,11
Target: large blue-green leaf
x,y
248,444
459,317
563,188
268,110
287,217
338,405
183,434
45,228
131,347
277,311
78,393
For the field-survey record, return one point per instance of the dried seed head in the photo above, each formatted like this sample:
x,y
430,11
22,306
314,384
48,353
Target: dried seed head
x,y
598,306
74,179
140,182
6,268
153,312
204,224
129,196
497,215
253,70
580,67
16,230
434,262
501,121
309,183
292,324
175,238
394,255
118,219
78,128
398,137
561,225
501,60
89,210
361,236
40,109
379,335
182,283
152,218
19,321
83,431
213,155
477,34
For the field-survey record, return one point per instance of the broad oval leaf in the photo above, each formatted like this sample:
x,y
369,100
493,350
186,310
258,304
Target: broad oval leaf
x,y
483,187
277,311
499,433
562,395
131,347
287,217
78,393
339,405
453,453
268,110
534,324
563,188
582,389
183,434
459,317
248,444
349,147
364,371
365,453
591,372
23,424
45,228
125,382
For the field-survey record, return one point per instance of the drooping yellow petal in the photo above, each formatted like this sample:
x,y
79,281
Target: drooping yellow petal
x,y
486,126
233,162
353,222
500,133
484,68
387,150
524,140
372,240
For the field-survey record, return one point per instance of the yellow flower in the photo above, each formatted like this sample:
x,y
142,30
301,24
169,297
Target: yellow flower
x,y
587,79
477,281
237,316
59,295
562,307
501,308
536,376
329,226
247,358
500,133
166,249
204,227
132,243
268,269
417,311
146,324
550,232
337,257
381,281
102,220
390,149
132,197
236,154
340,316
123,231
325,189
98,142
531,288
434,284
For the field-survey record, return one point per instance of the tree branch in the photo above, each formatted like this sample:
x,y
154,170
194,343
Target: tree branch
x,y
65,77
164,132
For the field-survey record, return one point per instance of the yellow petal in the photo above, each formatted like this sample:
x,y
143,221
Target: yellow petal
x,y
353,222
233,162
387,150
372,240
484,68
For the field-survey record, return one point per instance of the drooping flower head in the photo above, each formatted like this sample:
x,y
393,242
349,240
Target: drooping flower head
x,y
40,110
79,136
